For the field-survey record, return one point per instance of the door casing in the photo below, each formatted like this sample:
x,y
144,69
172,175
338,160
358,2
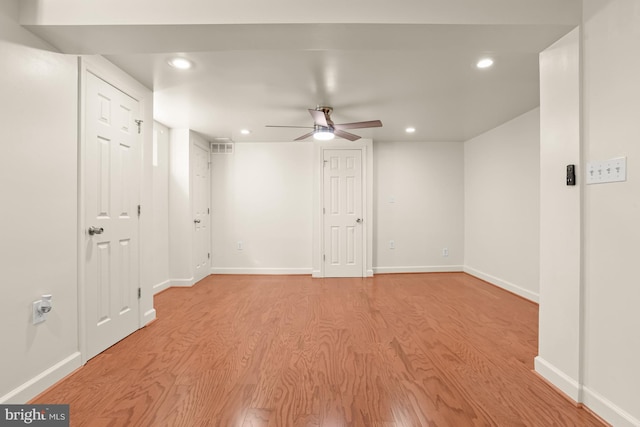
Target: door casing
x,y
108,72
366,147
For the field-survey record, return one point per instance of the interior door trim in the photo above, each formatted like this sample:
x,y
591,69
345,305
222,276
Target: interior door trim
x,y
366,147
105,70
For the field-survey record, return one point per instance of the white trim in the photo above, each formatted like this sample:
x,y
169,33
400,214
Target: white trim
x,y
524,293
607,410
366,147
110,73
149,316
270,271
159,287
181,283
316,274
43,381
419,269
559,379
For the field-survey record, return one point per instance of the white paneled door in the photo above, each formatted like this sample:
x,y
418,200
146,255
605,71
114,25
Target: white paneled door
x,y
111,194
201,237
343,213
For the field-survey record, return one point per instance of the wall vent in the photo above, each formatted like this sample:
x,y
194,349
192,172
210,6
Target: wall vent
x,y
222,146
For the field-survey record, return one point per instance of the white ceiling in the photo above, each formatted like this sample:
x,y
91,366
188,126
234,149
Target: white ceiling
x,y
247,76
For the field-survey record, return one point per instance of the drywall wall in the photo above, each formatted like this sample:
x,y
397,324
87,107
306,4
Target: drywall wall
x,y
262,197
560,220
501,205
419,205
180,225
38,218
145,12
611,120
159,208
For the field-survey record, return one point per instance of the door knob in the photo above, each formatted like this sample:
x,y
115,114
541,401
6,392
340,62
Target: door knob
x,y
95,230
196,221
359,220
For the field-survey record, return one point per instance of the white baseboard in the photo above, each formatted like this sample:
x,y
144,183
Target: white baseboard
x,y
181,283
274,271
43,381
157,288
524,293
607,410
316,274
149,317
419,269
559,379
370,272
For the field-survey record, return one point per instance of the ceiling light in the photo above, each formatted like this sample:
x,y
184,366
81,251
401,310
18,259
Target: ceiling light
x,y
180,63
323,135
485,63
245,131
410,130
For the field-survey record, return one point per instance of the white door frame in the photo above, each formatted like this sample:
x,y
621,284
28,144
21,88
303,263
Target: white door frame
x,y
108,72
366,147
206,146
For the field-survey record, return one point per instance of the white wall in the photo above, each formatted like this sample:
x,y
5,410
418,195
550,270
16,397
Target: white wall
x,y
262,196
38,217
159,209
180,225
560,220
501,205
611,123
418,203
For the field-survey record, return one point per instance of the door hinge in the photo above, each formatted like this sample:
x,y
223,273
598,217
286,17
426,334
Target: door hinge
x,y
208,211
324,257
139,123
208,255
139,210
139,293
324,211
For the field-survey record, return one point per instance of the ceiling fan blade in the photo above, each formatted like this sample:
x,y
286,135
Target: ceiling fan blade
x,y
296,127
360,125
305,136
345,135
319,118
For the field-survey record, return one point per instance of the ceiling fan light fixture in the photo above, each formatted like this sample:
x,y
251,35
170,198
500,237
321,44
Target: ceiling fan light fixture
x,y
323,135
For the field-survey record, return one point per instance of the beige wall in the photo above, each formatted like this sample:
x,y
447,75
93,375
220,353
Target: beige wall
x,y
418,203
501,205
38,184
560,219
612,211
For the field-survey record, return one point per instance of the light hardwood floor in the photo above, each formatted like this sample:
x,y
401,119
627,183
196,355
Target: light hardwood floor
x,y
441,349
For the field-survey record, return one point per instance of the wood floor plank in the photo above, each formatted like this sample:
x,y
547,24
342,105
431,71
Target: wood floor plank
x,y
442,349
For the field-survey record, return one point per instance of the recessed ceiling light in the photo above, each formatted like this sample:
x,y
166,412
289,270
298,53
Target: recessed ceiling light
x,y
485,63
410,130
245,131
180,63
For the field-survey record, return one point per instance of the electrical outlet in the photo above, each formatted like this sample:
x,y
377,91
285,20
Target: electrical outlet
x,y
240,245
445,252
392,244
38,316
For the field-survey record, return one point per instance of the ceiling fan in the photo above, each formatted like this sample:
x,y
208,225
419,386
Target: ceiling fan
x,y
324,129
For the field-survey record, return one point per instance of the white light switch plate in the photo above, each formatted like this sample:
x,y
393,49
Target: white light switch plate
x,y
613,170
